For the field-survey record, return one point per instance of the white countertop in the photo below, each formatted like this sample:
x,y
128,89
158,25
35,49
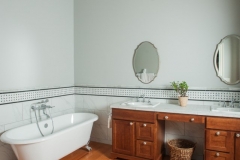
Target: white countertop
x,y
174,108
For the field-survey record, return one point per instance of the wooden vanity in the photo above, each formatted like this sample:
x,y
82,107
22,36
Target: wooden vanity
x,y
139,135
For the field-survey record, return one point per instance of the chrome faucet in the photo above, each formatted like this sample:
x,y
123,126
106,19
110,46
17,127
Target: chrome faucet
x,y
41,106
232,103
224,104
143,96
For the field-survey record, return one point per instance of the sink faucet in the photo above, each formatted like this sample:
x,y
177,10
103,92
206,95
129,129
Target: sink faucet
x,y
143,96
232,103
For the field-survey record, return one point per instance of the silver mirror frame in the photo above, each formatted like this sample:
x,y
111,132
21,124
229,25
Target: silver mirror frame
x,y
157,64
215,59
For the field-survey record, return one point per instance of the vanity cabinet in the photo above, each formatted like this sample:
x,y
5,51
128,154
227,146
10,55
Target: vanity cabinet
x,y
137,135
222,138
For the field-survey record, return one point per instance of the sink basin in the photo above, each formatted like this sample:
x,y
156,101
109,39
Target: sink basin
x,y
227,109
141,104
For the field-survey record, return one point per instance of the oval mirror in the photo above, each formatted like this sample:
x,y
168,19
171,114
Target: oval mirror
x,y
227,58
146,62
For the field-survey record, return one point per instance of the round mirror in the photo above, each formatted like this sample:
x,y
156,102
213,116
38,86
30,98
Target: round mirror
x,y
227,58
146,62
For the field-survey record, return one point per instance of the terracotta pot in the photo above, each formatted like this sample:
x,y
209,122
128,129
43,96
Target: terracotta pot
x,y
183,101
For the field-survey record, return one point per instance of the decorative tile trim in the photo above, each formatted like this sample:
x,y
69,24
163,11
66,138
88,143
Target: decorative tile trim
x,y
21,96
199,95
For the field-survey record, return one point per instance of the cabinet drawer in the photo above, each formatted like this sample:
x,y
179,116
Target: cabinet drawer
x,y
214,155
231,124
144,149
144,131
181,117
133,115
219,140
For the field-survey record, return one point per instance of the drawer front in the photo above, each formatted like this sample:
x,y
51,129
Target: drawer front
x,y
144,149
133,115
231,124
181,117
214,155
144,131
220,140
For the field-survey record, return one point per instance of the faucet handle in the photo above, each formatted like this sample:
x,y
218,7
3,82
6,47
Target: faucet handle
x,y
50,106
138,98
232,103
224,104
149,100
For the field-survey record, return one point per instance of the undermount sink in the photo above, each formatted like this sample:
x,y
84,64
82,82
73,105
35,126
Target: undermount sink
x,y
226,109
141,104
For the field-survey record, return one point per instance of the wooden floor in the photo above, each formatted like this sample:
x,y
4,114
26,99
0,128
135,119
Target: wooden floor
x,y
99,151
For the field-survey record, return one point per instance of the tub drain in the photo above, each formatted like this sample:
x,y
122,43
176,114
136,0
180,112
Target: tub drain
x,y
46,125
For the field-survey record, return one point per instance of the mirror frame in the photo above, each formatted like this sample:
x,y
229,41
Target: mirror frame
x,y
215,59
157,64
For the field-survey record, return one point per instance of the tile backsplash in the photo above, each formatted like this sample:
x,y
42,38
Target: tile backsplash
x,y
15,109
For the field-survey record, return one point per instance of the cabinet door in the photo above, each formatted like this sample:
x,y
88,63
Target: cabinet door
x,y
237,146
123,137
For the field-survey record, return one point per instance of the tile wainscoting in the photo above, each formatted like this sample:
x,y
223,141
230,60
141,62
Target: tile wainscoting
x,y
15,109
18,114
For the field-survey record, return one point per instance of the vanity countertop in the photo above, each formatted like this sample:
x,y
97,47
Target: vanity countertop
x,y
174,108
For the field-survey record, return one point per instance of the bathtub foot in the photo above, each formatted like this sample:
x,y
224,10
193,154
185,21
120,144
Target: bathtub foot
x,y
88,147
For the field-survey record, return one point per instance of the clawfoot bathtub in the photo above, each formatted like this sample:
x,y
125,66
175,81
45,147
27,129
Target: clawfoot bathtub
x,y
71,131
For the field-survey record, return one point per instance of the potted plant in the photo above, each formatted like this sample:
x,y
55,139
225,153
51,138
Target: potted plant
x,y
181,89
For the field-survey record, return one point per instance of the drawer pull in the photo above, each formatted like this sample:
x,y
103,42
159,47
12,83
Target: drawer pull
x,y
144,125
192,119
217,154
131,123
217,133
166,117
144,143
237,135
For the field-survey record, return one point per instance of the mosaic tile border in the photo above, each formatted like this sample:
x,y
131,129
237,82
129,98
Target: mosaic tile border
x,y
198,95
21,96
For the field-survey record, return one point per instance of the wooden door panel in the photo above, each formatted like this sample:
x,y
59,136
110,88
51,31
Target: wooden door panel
x,y
123,137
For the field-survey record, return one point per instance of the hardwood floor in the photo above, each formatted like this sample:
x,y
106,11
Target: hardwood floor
x,y
99,151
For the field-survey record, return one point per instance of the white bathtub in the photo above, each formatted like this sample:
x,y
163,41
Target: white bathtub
x,y
71,132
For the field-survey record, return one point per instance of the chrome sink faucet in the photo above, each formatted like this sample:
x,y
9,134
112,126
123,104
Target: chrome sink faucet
x,y
232,103
143,96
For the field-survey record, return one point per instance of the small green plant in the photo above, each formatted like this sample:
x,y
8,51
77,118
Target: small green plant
x,y
180,88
